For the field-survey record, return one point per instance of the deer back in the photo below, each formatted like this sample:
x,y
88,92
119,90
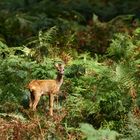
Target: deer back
x,y
44,86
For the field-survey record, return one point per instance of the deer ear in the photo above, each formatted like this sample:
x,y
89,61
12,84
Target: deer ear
x,y
56,65
63,65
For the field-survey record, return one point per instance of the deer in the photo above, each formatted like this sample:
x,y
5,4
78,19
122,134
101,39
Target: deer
x,y
50,87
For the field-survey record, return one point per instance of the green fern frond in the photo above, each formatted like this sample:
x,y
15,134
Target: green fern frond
x,y
124,75
47,37
121,47
93,134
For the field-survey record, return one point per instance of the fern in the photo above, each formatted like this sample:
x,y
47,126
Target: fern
x,y
132,128
42,43
125,75
121,47
93,134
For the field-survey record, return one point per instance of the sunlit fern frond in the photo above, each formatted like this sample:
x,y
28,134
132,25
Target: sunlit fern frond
x,y
42,43
48,36
125,75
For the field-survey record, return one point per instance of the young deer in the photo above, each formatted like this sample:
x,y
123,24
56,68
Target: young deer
x,y
46,87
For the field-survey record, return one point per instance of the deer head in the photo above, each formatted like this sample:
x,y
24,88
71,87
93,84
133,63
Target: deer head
x,y
60,68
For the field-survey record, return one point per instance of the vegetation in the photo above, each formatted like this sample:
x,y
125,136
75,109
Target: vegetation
x,y
99,98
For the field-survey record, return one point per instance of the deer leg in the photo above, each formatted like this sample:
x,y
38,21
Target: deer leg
x,y
31,99
57,102
36,100
51,100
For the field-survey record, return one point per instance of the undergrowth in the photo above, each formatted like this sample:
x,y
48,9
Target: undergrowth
x,y
99,98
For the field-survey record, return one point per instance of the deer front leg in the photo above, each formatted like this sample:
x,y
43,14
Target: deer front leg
x,y
31,99
51,100
31,103
36,100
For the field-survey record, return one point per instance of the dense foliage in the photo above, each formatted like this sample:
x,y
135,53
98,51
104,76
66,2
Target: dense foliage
x,y
99,98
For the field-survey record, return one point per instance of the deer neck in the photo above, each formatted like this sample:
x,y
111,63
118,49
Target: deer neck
x,y
59,79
